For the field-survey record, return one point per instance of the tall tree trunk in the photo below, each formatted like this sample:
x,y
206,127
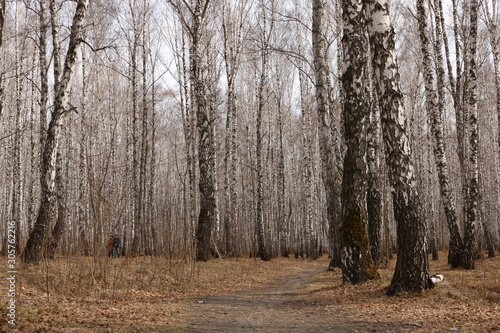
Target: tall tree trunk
x,y
60,226
412,266
309,231
37,242
491,19
326,121
357,264
232,28
374,195
435,110
17,198
83,239
206,145
263,251
152,171
33,169
143,166
136,247
55,44
282,221
229,222
44,81
472,198
188,120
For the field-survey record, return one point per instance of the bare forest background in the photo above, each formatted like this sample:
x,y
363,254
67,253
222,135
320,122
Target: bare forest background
x,y
197,129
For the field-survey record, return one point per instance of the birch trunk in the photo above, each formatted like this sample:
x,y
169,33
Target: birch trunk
x,y
55,43
326,121
152,171
146,236
135,172
357,264
263,252
282,221
189,137
206,142
374,195
309,230
412,266
17,198
232,29
60,226
83,239
472,216
37,242
491,19
44,81
435,110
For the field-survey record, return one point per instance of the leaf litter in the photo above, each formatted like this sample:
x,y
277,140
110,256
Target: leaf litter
x,y
145,294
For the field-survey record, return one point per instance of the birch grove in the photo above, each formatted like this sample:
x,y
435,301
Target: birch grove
x,y
203,129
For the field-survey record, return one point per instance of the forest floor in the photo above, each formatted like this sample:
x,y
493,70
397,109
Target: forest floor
x,y
152,294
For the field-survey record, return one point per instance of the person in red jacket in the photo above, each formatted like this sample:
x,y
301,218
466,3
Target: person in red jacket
x,y
110,246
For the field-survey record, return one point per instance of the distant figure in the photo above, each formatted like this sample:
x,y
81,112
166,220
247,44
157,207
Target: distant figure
x,y
116,247
110,246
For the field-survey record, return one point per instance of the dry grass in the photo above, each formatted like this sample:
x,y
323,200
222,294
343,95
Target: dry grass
x,y
146,294
83,294
466,301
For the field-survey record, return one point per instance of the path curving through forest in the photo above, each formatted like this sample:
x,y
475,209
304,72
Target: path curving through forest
x,y
280,308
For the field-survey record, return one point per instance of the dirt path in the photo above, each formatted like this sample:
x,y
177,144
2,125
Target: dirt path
x,y
277,309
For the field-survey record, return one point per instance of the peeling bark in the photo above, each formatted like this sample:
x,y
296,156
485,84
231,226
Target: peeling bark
x,y
412,266
357,264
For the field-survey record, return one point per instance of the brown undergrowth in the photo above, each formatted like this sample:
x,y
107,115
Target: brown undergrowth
x,y
154,294
465,301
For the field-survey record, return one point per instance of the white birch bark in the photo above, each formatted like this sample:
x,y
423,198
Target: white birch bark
x,y
472,213
435,110
412,266
374,195
233,18
36,245
357,264
16,148
326,121
492,17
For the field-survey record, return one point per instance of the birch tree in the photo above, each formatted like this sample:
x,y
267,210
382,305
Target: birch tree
x,y
265,35
194,25
37,241
412,266
326,121
435,109
374,198
233,19
492,17
357,264
472,194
